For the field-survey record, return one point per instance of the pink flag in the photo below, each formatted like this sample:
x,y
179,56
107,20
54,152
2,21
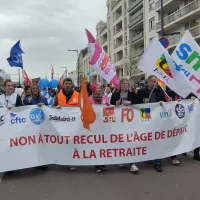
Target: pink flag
x,y
101,62
64,75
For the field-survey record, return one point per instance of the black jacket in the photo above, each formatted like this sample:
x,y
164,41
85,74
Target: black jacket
x,y
18,101
144,93
131,97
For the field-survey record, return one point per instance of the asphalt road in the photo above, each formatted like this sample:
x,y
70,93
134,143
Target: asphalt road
x,y
58,183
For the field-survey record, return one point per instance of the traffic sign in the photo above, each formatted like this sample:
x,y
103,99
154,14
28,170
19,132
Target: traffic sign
x,y
164,41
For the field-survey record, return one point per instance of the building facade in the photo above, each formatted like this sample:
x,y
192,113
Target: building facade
x,y
131,25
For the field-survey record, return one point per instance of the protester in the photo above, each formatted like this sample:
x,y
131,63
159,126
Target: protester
x,y
36,98
196,151
152,94
97,98
67,97
108,93
10,99
126,98
26,93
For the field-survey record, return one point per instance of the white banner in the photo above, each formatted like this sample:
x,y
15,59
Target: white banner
x,y
30,136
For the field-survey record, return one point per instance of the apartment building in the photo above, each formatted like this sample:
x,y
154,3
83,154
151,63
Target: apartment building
x,y
131,25
179,16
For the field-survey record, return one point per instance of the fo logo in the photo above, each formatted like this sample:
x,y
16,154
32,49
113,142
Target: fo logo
x,y
163,65
37,116
180,111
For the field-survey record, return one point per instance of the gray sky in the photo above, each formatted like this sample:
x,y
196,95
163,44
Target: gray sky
x,y
47,29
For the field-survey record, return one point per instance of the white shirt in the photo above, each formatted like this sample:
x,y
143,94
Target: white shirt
x,y
8,101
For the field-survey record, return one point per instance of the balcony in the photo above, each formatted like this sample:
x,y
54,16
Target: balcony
x,y
138,17
133,6
136,37
190,9
173,40
117,45
158,3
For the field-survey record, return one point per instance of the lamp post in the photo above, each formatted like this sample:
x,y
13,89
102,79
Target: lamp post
x,y
74,50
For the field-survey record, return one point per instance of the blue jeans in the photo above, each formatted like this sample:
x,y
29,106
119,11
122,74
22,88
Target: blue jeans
x,y
157,162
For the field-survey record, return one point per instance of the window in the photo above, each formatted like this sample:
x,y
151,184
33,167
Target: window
x,y
151,5
125,8
127,73
152,23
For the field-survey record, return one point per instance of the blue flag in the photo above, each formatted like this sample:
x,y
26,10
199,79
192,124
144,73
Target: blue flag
x,y
15,59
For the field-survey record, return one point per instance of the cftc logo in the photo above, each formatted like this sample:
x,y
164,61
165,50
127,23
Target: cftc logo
x,y
1,120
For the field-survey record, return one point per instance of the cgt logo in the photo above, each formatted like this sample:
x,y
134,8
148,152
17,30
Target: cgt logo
x,y
163,65
109,115
1,120
180,111
145,114
14,119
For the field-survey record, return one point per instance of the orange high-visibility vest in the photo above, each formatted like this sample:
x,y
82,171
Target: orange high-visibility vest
x,y
74,100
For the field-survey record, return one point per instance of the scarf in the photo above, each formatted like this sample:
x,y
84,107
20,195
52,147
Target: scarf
x,y
97,98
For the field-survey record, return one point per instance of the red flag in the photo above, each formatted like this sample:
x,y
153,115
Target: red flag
x,y
52,72
27,81
64,75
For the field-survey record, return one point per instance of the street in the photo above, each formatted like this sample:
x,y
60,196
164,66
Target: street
x,y
58,183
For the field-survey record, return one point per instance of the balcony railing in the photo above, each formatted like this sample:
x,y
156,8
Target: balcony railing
x,y
134,4
136,37
180,13
158,3
173,40
135,19
117,45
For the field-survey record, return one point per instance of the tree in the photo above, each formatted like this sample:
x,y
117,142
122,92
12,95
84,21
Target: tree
x,y
131,63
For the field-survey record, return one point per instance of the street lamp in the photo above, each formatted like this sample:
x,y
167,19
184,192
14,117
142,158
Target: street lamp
x,y
74,50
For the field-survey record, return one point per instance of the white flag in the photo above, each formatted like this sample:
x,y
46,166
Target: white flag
x,y
187,59
157,61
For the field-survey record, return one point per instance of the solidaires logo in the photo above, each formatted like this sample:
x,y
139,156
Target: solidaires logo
x,y
163,65
180,111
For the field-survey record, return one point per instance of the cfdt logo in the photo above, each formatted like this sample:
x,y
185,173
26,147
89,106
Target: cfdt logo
x,y
1,120
145,114
37,116
180,111
109,115
15,119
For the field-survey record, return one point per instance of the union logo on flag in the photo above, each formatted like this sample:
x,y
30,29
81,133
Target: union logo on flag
x,y
109,115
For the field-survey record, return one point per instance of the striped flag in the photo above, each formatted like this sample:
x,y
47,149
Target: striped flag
x,y
162,84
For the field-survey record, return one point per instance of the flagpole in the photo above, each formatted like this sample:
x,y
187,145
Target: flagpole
x,y
19,77
152,91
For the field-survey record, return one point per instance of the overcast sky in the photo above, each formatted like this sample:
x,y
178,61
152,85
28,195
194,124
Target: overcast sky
x,y
47,29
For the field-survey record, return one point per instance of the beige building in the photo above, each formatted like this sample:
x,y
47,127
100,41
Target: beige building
x,y
73,75
131,25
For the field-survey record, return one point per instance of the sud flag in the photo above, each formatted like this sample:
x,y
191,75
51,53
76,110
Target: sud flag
x,y
101,62
15,59
88,115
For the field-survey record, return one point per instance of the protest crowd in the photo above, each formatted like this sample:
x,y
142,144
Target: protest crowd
x,y
68,95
